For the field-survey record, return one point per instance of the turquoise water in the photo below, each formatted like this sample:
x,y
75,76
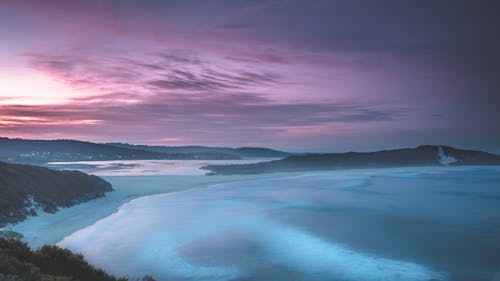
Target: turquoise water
x,y
411,224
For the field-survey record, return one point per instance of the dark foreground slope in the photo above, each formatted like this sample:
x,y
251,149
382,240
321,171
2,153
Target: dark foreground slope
x,y
43,151
49,263
426,155
25,188
244,152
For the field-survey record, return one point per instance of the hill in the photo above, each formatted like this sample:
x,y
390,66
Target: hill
x,y
425,155
243,152
49,263
43,151
24,189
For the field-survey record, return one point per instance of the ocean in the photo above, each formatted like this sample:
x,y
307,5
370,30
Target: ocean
x,y
417,223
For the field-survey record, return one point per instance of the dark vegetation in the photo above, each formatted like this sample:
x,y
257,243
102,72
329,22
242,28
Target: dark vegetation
x,y
425,155
24,188
43,151
244,152
49,263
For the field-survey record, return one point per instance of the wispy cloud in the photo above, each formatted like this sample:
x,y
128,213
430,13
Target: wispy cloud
x,y
184,116
192,97
236,71
165,71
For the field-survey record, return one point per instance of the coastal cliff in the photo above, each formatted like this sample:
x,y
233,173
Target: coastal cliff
x,y
26,189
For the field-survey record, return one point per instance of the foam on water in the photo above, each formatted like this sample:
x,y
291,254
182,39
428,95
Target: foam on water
x,y
309,254
362,225
149,246
160,255
146,237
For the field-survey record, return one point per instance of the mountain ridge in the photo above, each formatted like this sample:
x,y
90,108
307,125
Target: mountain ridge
x,y
243,152
423,155
43,151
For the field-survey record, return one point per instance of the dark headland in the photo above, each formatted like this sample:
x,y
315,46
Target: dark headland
x,y
25,188
44,151
243,152
425,155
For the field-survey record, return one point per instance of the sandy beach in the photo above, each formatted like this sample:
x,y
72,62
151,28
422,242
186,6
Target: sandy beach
x,y
130,180
129,183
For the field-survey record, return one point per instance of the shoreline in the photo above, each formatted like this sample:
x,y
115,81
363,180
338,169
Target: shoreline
x,y
51,228
288,215
130,180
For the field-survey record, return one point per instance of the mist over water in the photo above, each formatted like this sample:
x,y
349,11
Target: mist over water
x,y
387,224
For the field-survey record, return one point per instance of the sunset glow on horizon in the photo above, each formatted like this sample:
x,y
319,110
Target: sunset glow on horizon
x,y
292,75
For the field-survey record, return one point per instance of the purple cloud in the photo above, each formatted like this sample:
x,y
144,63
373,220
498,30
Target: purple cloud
x,y
284,73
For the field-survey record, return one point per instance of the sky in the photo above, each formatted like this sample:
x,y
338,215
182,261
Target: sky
x,y
293,75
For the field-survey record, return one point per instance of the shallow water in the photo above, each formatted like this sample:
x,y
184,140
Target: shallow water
x,y
147,167
387,224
